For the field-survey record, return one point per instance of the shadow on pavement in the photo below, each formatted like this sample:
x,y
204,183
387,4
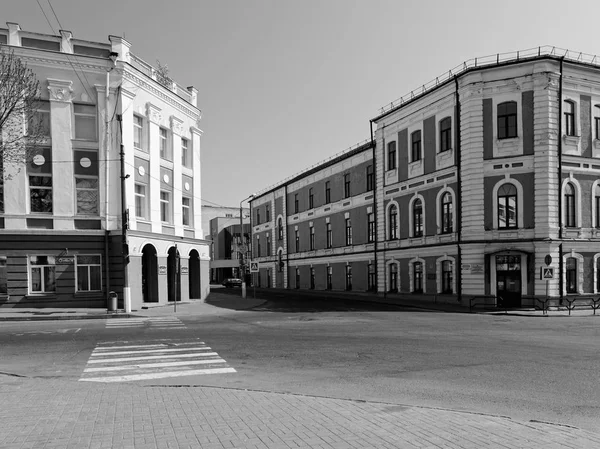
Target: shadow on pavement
x,y
297,302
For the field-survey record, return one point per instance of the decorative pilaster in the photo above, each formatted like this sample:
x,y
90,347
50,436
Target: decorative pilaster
x,y
196,201
154,120
176,132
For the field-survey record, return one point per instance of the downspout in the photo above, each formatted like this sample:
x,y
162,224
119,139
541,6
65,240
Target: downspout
x,y
560,230
113,57
125,225
286,241
458,197
374,203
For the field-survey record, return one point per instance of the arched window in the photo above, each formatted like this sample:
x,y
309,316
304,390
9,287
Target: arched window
x,y
280,228
417,277
393,277
446,213
393,222
570,208
597,204
447,276
571,278
507,120
445,134
417,218
507,206
569,114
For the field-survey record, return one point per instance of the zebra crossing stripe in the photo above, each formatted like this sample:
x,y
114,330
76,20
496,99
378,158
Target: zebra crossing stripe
x,y
160,375
153,365
157,345
96,354
154,357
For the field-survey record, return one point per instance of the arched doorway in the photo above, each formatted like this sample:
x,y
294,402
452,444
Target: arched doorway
x,y
173,275
194,275
149,274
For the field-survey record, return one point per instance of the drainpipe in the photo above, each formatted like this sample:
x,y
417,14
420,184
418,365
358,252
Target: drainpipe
x,y
458,197
560,230
124,226
286,240
374,203
113,57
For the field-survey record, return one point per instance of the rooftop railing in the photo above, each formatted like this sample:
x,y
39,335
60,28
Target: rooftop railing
x,y
289,178
492,60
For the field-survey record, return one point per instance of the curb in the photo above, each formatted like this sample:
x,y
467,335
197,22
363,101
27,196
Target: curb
x,y
69,317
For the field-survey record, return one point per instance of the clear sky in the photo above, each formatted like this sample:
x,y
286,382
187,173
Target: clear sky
x,y
285,84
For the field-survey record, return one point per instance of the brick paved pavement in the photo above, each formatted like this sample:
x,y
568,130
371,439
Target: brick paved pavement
x,y
56,413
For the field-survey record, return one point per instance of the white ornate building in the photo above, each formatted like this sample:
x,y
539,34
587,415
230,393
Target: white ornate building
x,y
62,239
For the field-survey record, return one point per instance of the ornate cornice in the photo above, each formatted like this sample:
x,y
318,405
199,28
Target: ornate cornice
x,y
153,113
176,125
60,90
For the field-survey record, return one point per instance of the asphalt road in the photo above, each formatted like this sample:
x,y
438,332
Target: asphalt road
x,y
527,368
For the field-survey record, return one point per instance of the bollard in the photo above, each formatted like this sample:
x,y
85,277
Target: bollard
x,y
243,290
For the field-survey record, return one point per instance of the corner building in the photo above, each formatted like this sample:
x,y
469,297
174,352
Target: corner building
x,y
68,250
479,176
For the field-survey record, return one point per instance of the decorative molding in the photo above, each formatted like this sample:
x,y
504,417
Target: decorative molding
x,y
153,113
60,90
176,125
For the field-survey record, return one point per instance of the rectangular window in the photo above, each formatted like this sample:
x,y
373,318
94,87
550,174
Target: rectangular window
x,y
257,216
87,195
347,191
417,277
3,279
446,134
311,199
507,120
186,204
268,244
571,275
140,201
329,236
327,192
297,235
312,238
258,248
370,178
569,114
138,132
371,277
297,277
348,277
40,121
185,156
447,277
42,274
329,277
416,146
348,232
89,273
296,204
597,121
371,227
312,278
392,155
268,213
40,193
165,206
85,121
570,211
393,278
164,144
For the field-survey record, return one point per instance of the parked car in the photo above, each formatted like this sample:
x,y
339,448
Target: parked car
x,y
232,282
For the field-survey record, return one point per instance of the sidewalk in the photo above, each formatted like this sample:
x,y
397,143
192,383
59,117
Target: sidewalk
x,y
54,413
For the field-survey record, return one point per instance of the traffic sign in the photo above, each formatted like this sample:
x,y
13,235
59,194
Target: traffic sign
x,y
253,267
548,259
546,273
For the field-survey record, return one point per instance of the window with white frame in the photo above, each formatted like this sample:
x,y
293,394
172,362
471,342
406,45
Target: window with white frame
x,y
87,195
268,244
185,156
186,205
42,274
416,145
597,204
40,193
417,211
329,235
312,238
348,231
570,206
393,222
297,277
447,276
329,277
507,207
165,206
164,144
348,277
371,277
89,272
597,122
40,120
417,277
391,155
258,247
312,278
393,269
297,238
507,120
370,227
138,132
445,134
446,205
571,275
569,117
140,201
86,127
280,228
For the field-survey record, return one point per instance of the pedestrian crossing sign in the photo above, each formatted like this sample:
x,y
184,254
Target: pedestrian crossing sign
x,y
253,267
546,273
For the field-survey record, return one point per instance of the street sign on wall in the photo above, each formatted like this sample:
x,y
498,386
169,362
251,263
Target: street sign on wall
x,y
546,273
253,267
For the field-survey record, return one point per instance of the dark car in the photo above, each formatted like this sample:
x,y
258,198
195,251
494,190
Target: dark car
x,y
232,282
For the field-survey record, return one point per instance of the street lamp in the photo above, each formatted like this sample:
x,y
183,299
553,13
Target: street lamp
x,y
241,246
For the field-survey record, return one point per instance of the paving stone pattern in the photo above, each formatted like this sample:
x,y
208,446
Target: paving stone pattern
x,y
57,413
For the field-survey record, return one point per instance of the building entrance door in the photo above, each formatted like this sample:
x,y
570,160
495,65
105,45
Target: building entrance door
x,y
508,281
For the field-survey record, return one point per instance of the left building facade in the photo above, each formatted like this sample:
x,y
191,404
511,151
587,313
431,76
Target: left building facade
x,y
119,174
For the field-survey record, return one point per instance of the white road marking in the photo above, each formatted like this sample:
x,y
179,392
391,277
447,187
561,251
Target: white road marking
x,y
153,365
158,375
96,354
158,345
155,322
154,357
